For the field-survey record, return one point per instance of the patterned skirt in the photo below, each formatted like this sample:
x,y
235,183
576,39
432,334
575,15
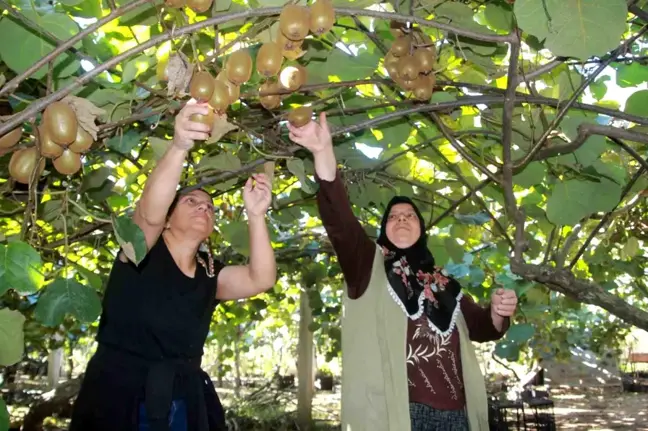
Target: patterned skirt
x,y
426,418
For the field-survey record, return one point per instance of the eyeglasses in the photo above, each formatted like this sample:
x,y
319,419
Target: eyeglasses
x,y
193,202
411,215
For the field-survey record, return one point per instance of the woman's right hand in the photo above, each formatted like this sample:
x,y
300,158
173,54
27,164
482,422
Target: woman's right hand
x,y
313,136
187,131
317,139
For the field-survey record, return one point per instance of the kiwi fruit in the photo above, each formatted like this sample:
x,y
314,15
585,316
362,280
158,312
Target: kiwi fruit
x,y
48,148
233,89
424,87
301,116
207,119
269,59
408,68
425,59
199,6
322,17
175,3
11,138
391,64
294,21
270,101
202,86
292,77
220,98
401,46
82,143
239,67
287,44
405,84
61,123
68,163
23,162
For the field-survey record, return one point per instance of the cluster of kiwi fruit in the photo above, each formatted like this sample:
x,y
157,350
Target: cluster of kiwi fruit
x,y
295,23
198,6
60,138
410,61
220,92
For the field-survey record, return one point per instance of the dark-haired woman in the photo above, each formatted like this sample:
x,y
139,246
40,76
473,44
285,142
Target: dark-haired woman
x,y
146,373
407,357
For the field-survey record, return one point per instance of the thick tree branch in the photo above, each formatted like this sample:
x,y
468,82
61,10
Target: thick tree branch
x,y
563,281
564,109
514,213
586,130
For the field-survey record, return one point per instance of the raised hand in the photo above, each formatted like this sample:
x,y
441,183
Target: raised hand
x,y
313,136
257,195
187,131
504,302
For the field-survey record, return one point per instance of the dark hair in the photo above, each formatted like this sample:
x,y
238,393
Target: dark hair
x,y
177,197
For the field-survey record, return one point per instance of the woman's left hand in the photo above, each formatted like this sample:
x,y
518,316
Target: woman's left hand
x,y
504,302
257,197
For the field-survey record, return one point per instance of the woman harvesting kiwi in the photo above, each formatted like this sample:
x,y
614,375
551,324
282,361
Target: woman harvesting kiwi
x,y
407,357
146,372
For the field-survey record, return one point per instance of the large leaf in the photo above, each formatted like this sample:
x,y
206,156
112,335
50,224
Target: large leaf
x,y
20,47
12,342
130,237
345,66
20,267
574,28
520,333
637,103
296,167
236,233
4,416
574,199
67,296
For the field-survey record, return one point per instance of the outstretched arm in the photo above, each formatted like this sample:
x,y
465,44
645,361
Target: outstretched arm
x,y
354,249
160,189
244,281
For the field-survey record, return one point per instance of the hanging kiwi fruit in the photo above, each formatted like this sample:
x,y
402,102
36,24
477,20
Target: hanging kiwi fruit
x,y
322,17
301,116
23,162
287,44
202,86
68,163
11,138
269,59
270,101
391,64
408,68
220,99
425,59
162,70
397,29
82,143
207,119
176,4
294,21
401,46
61,123
293,77
48,148
239,67
233,89
199,6
424,87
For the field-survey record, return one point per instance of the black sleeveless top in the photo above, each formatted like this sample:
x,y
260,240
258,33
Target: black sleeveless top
x,y
151,335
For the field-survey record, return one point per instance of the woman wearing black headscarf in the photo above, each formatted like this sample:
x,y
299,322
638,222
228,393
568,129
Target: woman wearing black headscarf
x,y
408,360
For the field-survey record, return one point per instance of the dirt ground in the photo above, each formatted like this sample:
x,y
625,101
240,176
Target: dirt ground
x,y
578,410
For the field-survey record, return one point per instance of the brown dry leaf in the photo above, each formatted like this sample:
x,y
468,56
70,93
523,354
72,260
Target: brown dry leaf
x,y
268,170
294,54
220,128
86,113
180,71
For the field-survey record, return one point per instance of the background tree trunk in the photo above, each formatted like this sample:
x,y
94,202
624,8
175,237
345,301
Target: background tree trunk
x,y
305,365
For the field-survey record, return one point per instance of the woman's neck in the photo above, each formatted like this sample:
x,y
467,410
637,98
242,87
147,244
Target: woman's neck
x,y
183,250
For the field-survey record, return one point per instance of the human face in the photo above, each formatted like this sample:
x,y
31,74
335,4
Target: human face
x,y
403,226
193,215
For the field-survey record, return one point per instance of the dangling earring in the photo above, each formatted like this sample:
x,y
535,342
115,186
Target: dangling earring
x,y
208,269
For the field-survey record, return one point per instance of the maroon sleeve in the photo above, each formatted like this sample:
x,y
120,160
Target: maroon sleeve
x,y
479,321
354,249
